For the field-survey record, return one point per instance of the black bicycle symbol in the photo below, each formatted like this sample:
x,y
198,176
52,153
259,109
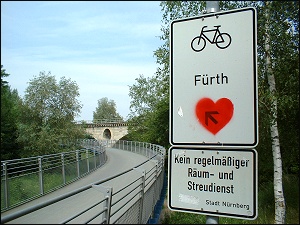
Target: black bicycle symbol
x,y
222,40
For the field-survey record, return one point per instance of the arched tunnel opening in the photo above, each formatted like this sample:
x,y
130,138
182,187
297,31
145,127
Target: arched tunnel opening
x,y
107,134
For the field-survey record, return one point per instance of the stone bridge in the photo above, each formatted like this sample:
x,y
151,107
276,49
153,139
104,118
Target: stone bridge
x,y
106,129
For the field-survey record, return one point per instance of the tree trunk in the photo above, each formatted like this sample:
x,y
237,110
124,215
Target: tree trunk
x,y
278,184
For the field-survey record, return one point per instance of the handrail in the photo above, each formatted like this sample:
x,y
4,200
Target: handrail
x,y
70,166
142,192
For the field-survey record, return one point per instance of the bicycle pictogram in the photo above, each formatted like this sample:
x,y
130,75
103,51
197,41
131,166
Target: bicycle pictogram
x,y
222,40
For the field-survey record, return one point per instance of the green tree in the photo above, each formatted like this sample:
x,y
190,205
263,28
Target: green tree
x,y
9,118
48,112
280,27
106,109
149,117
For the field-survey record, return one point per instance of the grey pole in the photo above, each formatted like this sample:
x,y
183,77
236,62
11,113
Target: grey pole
x,y
211,7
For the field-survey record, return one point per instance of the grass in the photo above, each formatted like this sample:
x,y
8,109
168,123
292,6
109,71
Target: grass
x,y
27,187
266,207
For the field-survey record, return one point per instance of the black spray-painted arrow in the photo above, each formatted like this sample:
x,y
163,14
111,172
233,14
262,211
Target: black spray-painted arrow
x,y
208,115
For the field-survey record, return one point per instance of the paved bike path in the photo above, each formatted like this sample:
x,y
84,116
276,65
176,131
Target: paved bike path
x,y
118,161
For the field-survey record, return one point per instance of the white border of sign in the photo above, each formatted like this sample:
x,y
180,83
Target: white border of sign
x,y
241,197
183,130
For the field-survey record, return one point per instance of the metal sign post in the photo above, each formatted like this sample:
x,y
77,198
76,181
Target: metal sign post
x,y
212,6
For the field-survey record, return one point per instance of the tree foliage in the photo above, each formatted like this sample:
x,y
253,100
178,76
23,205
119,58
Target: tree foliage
x,y
47,115
280,26
9,119
284,54
52,102
106,109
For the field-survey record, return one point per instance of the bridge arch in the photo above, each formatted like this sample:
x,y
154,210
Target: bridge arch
x,y
107,134
107,130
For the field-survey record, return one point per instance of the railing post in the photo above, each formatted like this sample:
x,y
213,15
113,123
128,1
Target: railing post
x,y
162,156
100,156
95,161
87,159
41,175
6,198
107,192
104,155
211,7
63,167
77,163
144,147
143,174
156,188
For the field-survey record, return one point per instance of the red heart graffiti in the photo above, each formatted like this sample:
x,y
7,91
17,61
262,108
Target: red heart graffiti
x,y
214,116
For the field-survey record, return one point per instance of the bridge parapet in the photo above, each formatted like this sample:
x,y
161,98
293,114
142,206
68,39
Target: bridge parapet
x,y
100,121
88,125
103,123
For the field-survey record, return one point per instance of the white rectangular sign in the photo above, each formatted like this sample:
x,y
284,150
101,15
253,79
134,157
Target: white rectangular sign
x,y
213,81
214,182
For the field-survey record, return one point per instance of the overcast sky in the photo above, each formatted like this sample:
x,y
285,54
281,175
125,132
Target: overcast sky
x,y
101,45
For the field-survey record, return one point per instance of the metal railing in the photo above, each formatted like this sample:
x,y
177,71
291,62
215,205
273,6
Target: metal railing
x,y
47,173
133,203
